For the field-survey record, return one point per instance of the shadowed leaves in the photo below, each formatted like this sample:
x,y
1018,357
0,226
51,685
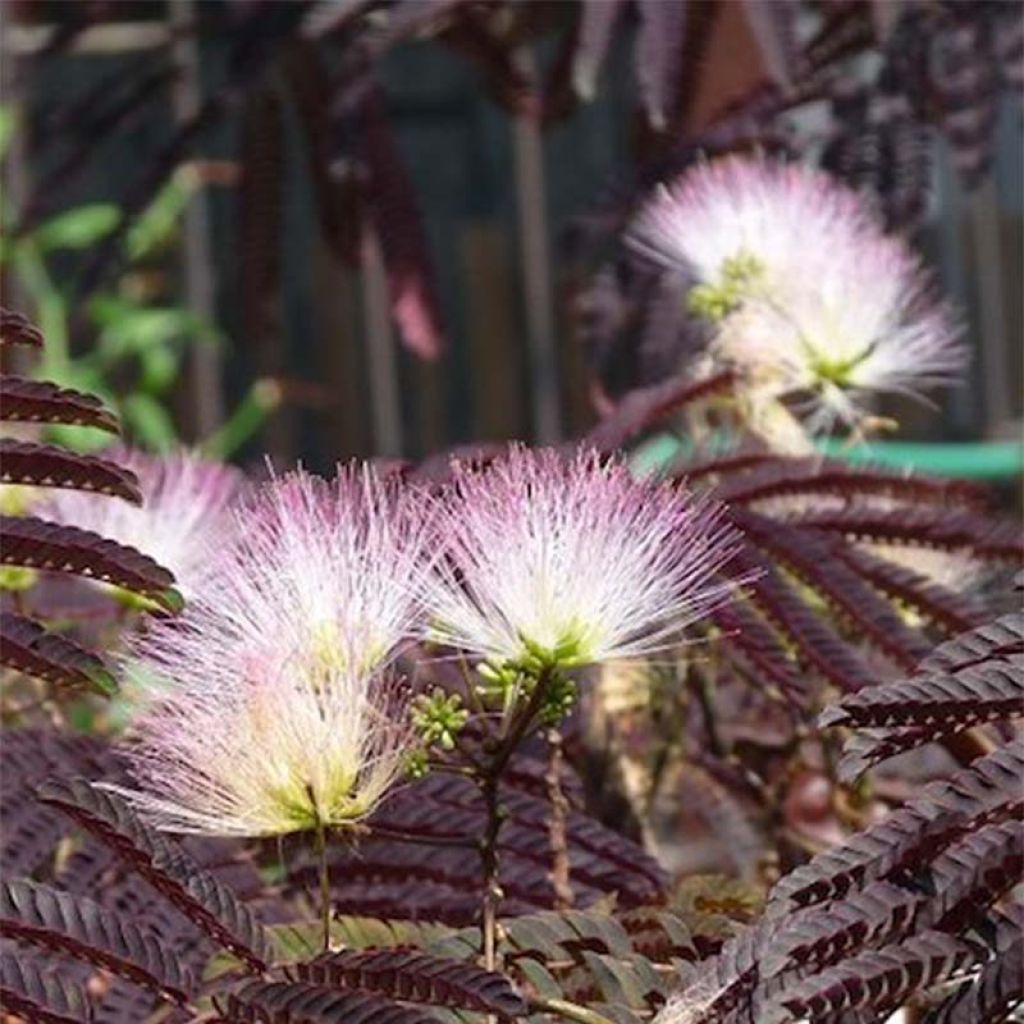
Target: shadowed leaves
x,y
209,904
38,465
37,544
39,401
27,647
43,917
408,974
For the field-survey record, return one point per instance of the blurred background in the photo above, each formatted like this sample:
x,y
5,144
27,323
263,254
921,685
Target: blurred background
x,y
326,229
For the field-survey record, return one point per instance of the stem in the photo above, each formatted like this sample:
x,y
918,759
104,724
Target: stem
x,y
568,1011
325,882
702,688
557,824
489,862
490,780
383,832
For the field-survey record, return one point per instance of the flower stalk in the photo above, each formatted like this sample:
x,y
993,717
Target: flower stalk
x,y
325,881
490,784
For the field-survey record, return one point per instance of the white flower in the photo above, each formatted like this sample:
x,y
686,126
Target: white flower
x,y
268,752
808,296
271,712
572,560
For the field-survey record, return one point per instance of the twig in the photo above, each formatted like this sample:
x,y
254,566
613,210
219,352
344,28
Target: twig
x,y
489,863
557,824
383,832
490,780
568,1011
325,881
701,686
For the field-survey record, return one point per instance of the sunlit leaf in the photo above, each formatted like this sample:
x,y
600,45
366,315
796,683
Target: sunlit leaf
x,y
79,228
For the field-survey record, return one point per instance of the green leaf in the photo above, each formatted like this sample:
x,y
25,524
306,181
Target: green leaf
x,y
303,939
148,421
158,220
78,228
8,122
159,368
134,331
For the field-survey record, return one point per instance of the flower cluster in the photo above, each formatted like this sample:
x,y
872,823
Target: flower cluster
x,y
806,294
279,711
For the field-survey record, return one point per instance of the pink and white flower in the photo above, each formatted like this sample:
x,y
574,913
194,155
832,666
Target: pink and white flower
x,y
572,561
184,511
269,752
807,294
275,712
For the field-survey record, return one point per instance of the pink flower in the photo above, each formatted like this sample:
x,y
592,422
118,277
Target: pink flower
x,y
806,293
273,713
572,561
185,505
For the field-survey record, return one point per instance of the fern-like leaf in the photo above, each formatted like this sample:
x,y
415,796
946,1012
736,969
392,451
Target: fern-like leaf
x,y
814,640
201,897
35,543
811,559
949,700
952,610
644,407
301,1003
37,997
985,791
27,647
55,920
877,979
410,975
797,477
990,997
967,81
39,465
17,329
871,747
993,641
922,526
974,872
753,645
38,401
881,912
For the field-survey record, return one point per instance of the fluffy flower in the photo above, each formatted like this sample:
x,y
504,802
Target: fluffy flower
x,y
185,503
331,570
274,715
572,560
269,752
807,293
